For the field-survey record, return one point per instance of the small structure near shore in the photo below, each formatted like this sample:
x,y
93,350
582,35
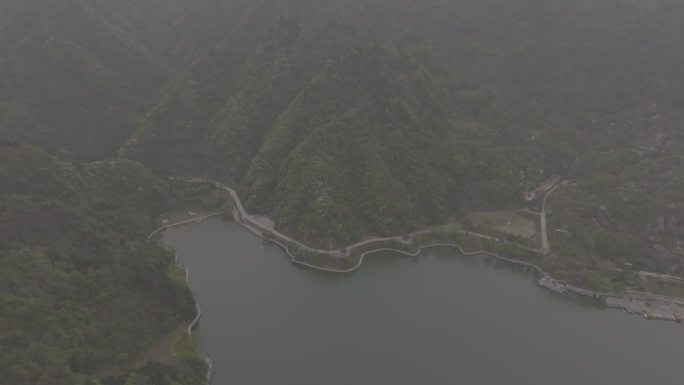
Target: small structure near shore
x,y
643,308
552,284
561,287
631,306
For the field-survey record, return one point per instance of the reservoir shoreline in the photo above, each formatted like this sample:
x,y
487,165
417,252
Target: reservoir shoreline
x,y
195,321
546,280
268,233
461,313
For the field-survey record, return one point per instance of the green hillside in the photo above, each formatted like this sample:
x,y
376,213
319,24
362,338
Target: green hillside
x,y
354,118
73,80
340,120
83,289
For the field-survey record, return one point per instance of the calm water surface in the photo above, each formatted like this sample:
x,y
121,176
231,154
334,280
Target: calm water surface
x,y
440,318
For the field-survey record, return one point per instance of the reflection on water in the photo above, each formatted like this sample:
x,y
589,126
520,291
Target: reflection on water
x,y
439,318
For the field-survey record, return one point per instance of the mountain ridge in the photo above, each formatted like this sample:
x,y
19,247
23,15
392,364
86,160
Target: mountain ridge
x,y
340,120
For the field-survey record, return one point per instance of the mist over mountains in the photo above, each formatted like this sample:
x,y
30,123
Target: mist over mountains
x,y
340,119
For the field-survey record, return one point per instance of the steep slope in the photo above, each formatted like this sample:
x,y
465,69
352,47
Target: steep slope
x,y
318,112
74,77
191,27
82,286
340,119
308,86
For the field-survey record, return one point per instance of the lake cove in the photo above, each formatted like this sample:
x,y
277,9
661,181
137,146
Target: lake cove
x,y
439,318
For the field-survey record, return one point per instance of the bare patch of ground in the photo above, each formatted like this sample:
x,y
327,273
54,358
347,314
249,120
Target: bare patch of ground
x,y
510,222
264,221
159,351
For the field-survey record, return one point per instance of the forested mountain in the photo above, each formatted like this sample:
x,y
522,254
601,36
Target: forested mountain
x,y
340,119
75,76
82,289
350,118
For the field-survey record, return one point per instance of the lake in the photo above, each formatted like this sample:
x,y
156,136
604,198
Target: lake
x,y
439,318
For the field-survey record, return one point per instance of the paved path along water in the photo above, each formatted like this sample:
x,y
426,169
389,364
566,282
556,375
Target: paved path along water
x,y
259,228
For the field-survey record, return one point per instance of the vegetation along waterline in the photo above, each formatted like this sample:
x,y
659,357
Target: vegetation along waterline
x,y
548,132
350,258
85,293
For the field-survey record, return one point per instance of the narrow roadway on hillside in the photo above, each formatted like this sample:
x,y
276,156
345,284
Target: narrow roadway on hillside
x,y
250,222
261,227
545,241
546,248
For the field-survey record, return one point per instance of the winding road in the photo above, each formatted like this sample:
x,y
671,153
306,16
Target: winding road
x,y
260,229
546,249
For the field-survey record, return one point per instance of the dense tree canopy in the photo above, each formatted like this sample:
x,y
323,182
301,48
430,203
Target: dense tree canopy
x,y
340,119
82,288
